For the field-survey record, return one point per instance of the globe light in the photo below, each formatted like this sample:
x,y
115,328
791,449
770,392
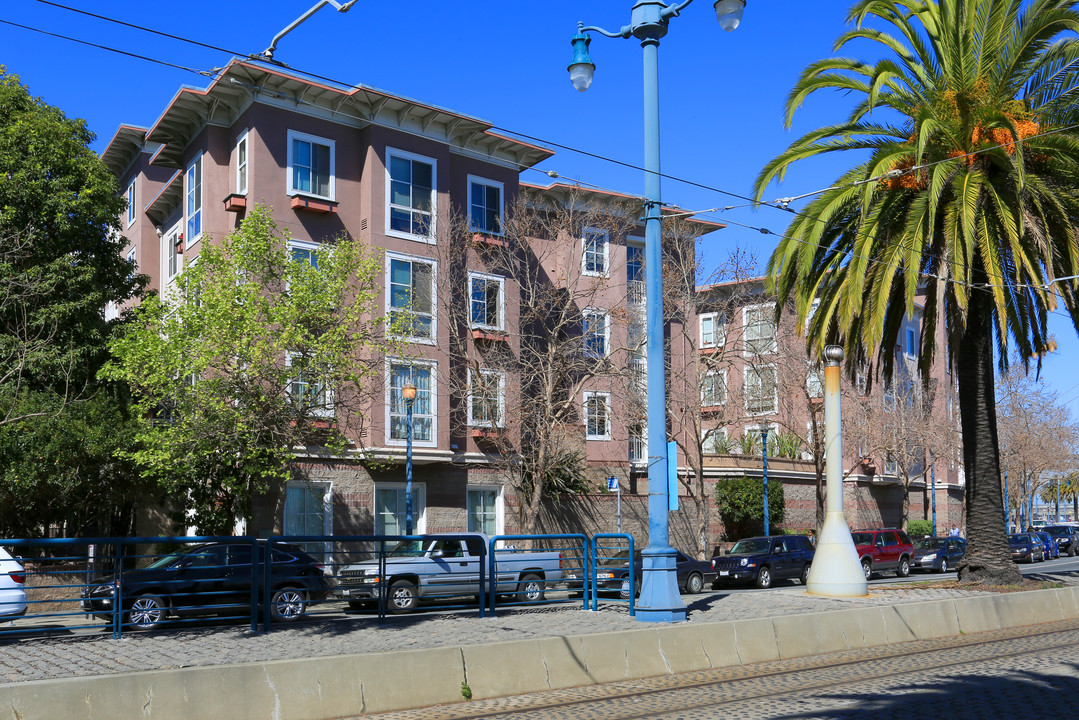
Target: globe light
x,y
729,13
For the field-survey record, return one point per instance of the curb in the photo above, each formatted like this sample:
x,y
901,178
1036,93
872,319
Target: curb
x,y
349,685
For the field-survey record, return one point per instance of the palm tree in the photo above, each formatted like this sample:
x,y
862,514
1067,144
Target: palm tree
x,y
963,195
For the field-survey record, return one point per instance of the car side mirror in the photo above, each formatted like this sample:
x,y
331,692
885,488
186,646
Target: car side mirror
x,y
436,554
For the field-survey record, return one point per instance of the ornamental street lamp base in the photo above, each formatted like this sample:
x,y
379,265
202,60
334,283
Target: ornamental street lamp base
x,y
836,571
660,600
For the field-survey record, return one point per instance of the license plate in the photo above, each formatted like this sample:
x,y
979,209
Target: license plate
x,y
724,572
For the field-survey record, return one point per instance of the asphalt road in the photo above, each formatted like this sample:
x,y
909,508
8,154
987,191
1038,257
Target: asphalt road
x,y
1015,674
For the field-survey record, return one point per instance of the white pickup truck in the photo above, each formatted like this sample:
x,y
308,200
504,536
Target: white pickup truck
x,y
446,567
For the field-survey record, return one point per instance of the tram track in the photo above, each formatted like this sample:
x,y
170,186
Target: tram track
x,y
759,682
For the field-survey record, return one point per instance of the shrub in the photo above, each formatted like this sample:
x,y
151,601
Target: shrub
x,y
917,528
740,502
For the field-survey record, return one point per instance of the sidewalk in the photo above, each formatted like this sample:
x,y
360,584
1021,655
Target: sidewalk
x,y
61,657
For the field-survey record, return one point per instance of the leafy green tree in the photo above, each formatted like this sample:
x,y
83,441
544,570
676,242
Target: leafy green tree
x,y
258,350
61,256
964,191
740,502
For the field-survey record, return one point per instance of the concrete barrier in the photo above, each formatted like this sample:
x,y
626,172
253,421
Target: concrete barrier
x,y
332,687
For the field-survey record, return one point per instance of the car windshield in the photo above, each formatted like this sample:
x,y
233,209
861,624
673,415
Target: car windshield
x,y
1057,530
1018,539
407,548
752,545
929,544
166,560
862,538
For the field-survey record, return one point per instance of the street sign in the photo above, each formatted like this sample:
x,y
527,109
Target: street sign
x,y
612,484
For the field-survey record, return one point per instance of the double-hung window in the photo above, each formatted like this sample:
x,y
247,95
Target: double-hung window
x,y
713,330
814,381
391,508
486,293
410,296
410,189
760,330
911,349
596,252
760,390
241,164
635,293
485,510
484,205
130,204
174,260
310,165
486,398
309,511
597,414
714,441
131,261
193,201
303,252
306,391
421,375
597,334
714,389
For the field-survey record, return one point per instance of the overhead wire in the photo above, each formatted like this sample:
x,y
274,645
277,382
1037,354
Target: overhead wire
x,y
780,204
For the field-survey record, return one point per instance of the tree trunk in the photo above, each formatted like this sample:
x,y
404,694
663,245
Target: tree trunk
x,y
905,505
987,558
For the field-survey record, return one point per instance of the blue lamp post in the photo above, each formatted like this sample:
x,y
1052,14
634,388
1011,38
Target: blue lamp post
x,y
764,463
409,393
660,600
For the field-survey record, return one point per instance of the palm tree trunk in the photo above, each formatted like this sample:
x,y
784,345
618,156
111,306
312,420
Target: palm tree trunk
x,y
988,558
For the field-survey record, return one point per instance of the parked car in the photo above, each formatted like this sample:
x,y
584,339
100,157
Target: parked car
x,y
938,554
1051,549
1024,546
884,550
447,567
763,560
12,586
210,578
1066,536
612,574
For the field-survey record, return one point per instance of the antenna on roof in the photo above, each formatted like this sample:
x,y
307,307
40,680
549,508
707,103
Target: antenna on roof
x,y
267,54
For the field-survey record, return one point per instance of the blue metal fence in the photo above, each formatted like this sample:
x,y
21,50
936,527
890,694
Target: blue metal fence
x,y
626,578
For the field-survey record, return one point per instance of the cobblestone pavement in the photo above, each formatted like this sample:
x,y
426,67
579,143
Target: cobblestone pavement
x,y
66,656
1011,674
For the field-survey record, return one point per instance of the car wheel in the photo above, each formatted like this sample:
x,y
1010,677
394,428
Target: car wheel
x,y
287,604
694,584
146,612
867,569
943,565
530,589
1071,550
764,577
904,567
805,575
623,592
402,596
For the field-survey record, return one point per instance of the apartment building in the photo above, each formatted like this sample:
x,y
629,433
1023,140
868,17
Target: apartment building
x,y
402,176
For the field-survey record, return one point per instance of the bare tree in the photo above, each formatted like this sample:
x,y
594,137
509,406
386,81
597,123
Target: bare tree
x,y
531,329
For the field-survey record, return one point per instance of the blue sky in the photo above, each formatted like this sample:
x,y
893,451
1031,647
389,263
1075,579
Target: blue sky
x,y
722,94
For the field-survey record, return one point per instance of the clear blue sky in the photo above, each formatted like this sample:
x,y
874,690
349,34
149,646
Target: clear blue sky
x,y
722,94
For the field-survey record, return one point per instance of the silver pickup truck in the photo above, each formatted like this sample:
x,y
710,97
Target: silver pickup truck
x,y
447,567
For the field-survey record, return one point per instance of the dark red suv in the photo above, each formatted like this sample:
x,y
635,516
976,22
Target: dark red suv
x,y
884,551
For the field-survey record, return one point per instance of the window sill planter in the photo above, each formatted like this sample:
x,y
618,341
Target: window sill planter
x,y
484,433
711,409
488,335
711,350
315,205
235,203
485,239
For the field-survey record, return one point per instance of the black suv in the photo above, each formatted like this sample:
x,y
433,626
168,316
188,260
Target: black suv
x,y
1066,536
762,560
210,578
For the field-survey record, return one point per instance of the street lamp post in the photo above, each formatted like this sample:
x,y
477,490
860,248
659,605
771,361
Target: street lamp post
x,y
764,462
660,600
409,393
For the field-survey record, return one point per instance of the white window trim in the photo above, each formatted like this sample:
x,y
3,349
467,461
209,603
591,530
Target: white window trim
x,y
814,370
189,241
751,370
314,139
429,239
327,412
772,427
244,173
327,506
131,210
434,295
501,204
171,238
748,352
433,366
313,247
606,329
472,421
131,258
606,253
500,504
719,330
419,502
501,300
722,376
707,444
588,395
